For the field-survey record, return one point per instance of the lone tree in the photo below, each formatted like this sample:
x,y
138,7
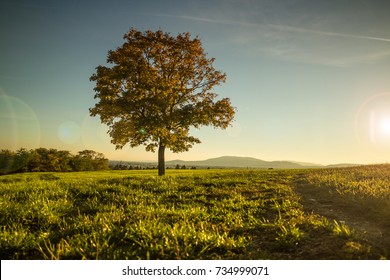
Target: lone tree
x,y
158,86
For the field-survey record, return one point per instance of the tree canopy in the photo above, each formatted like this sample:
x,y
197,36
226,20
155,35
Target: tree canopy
x,y
155,88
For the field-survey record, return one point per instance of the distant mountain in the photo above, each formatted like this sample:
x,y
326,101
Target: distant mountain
x,y
240,162
234,162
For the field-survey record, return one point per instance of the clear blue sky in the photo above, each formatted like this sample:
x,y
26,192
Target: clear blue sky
x,y
310,79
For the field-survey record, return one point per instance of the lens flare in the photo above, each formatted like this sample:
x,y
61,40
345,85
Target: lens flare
x,y
372,123
384,126
19,124
69,132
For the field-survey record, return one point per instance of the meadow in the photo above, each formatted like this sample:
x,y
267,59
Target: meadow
x,y
196,214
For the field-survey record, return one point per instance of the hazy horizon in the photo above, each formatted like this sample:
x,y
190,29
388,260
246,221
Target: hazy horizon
x,y
243,157
309,79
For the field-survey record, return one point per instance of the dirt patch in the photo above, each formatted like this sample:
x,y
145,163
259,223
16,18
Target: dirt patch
x,y
364,217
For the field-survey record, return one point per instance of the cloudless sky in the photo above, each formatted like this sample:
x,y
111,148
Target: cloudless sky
x,y
310,79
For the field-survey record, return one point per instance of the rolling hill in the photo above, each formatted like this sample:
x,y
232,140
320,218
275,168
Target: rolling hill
x,y
233,162
241,162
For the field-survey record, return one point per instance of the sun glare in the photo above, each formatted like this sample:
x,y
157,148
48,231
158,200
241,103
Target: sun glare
x,y
372,124
384,126
379,128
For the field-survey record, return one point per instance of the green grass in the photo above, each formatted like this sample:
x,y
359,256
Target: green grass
x,y
188,214
372,181
364,190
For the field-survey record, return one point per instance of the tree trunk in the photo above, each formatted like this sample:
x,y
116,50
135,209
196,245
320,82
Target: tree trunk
x,y
161,160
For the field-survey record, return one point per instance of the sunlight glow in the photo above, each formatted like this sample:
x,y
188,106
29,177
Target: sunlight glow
x,y
69,132
384,126
19,124
372,124
379,128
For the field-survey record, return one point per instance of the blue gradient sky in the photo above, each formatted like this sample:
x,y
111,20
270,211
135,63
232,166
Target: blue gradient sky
x,y
310,79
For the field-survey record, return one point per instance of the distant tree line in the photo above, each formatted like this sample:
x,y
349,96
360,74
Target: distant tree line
x,y
50,160
178,166
120,166
124,166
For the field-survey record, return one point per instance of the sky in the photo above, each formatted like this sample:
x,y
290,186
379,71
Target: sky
x,y
310,80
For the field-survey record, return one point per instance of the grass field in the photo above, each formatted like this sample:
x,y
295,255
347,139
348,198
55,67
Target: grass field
x,y
197,214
